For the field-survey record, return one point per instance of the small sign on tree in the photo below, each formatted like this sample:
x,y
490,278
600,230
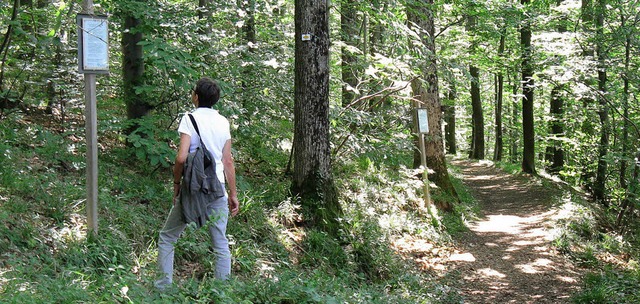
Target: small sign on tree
x,y
423,120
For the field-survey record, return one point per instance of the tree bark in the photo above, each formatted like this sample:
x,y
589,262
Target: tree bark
x,y
312,179
513,133
450,119
528,131
625,107
499,145
477,116
4,47
204,13
426,92
133,67
555,152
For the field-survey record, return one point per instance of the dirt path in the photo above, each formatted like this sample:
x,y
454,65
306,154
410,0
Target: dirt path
x,y
507,256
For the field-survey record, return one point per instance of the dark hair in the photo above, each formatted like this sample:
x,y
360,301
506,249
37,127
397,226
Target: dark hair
x,y
208,92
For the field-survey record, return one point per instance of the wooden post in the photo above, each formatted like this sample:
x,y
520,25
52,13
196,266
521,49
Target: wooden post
x,y
91,127
425,173
422,128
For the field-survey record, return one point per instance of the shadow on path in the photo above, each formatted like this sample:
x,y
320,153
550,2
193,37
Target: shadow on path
x,y
507,257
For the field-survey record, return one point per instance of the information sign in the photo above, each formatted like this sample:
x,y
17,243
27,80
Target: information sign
x,y
423,121
93,44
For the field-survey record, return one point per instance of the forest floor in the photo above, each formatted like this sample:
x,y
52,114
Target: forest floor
x,y
506,255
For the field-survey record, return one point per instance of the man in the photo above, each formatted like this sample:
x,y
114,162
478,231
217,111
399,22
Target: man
x,y
216,136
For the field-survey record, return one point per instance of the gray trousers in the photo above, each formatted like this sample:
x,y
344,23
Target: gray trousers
x,y
173,227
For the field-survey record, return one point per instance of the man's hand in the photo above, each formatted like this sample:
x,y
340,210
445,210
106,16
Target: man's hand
x,y
234,205
176,193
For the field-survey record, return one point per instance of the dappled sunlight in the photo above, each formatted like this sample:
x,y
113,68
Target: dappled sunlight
x,y
534,267
465,257
488,272
74,230
499,223
509,258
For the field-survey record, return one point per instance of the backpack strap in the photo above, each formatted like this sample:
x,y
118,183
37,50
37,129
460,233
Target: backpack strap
x,y
195,125
207,159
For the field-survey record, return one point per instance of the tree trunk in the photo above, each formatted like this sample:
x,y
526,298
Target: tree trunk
x,y
631,198
204,12
625,107
249,26
312,179
427,93
555,153
528,131
450,119
377,29
4,51
477,116
349,34
599,188
513,133
587,175
499,146
133,67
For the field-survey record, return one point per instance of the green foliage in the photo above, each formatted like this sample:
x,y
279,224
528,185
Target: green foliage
x,y
610,286
150,143
588,245
41,152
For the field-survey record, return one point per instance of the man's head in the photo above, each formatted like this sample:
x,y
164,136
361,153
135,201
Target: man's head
x,y
207,91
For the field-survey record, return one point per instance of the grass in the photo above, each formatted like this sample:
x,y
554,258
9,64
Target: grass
x,y
47,256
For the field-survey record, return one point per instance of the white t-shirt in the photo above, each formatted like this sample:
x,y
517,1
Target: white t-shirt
x,y
215,131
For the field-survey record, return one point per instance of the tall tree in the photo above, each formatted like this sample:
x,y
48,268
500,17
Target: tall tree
x,y
7,102
528,131
625,99
555,152
499,145
450,118
312,179
425,91
477,115
599,188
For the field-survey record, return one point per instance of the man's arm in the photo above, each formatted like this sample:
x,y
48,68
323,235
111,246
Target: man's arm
x,y
230,174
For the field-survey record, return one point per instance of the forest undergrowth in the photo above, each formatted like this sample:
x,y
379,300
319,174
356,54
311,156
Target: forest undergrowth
x,y
46,255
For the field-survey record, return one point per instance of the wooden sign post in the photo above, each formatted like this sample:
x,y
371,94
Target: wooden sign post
x,y
423,128
93,58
